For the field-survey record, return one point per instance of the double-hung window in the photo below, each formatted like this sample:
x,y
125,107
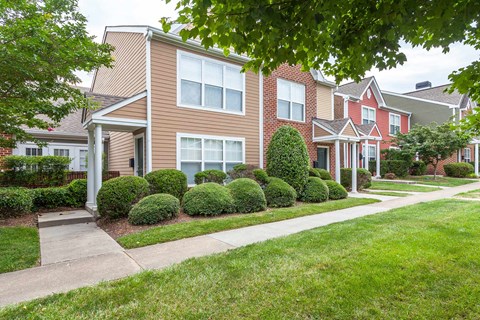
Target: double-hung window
x,y
467,155
61,152
368,115
371,153
210,84
394,123
83,156
198,153
290,100
33,152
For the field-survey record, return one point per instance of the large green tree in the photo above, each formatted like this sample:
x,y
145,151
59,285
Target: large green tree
x,y
42,44
432,143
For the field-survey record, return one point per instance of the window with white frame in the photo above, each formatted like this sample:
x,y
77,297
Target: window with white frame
x,y
210,84
290,100
368,115
33,152
371,153
467,155
83,156
394,123
203,153
61,152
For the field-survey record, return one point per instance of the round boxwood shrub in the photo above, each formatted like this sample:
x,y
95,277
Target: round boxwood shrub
x,y
212,175
169,181
458,170
418,168
14,202
315,191
242,171
313,172
364,178
154,208
261,176
335,190
51,198
117,196
287,158
278,193
320,173
247,195
208,199
78,192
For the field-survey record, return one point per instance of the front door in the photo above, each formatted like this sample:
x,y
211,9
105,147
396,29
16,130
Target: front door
x,y
139,157
322,158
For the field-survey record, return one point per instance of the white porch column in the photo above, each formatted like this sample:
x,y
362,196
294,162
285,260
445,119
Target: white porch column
x,y
354,167
366,154
98,159
459,156
91,169
476,159
378,160
337,161
345,155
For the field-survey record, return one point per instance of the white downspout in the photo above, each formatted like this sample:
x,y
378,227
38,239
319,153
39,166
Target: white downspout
x,y
148,138
260,102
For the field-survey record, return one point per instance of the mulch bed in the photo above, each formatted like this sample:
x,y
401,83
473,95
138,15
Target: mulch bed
x,y
27,220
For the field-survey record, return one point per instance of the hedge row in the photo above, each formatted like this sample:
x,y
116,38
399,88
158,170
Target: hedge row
x,y
458,170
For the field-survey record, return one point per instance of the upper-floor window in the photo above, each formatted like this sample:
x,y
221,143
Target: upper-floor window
x,y
368,115
394,123
209,84
290,100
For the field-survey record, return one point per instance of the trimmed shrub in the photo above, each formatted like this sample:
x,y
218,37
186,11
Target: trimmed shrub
x,y
316,190
364,178
154,208
287,158
208,199
78,192
242,171
458,170
335,190
117,196
313,172
278,193
50,198
390,176
14,202
399,167
169,181
418,168
324,174
247,195
260,176
213,175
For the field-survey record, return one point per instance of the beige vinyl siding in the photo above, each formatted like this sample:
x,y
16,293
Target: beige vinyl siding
x,y
324,102
121,150
349,131
128,75
319,132
135,110
168,119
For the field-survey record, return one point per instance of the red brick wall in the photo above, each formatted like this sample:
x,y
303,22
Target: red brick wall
x,y
452,159
338,107
5,151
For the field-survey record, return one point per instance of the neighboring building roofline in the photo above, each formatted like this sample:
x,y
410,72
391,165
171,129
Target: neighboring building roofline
x,y
451,106
428,88
318,76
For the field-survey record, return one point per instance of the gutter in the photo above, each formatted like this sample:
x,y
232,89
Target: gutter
x,y
148,80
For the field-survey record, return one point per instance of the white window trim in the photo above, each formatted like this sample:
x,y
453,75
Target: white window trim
x,y
135,162
290,102
390,114
465,155
328,156
374,113
203,136
206,59
365,151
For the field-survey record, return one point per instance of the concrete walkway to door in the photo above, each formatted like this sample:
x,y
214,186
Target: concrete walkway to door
x,y
115,262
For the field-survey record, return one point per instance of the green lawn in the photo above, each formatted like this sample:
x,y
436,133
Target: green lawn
x,y
392,186
441,181
200,227
391,193
474,194
417,262
19,248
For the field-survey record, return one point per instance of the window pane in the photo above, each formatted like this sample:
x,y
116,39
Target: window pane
x,y
213,150
229,165
83,160
371,115
283,109
297,111
234,79
234,100
191,69
298,93
214,165
233,150
283,90
364,113
190,168
191,93
61,152
213,74
213,97
191,149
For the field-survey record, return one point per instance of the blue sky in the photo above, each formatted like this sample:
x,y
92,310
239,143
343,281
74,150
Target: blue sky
x,y
421,65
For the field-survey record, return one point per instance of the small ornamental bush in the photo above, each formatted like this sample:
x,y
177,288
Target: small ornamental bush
x,y
390,176
208,199
169,181
14,202
213,175
247,195
324,174
315,191
418,168
278,193
50,198
154,208
78,192
313,172
364,178
458,170
242,171
261,176
335,190
117,196
287,158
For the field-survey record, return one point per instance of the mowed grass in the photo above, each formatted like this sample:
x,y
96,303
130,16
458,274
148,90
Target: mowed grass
x,y
19,248
200,227
416,262
474,194
390,193
393,186
441,181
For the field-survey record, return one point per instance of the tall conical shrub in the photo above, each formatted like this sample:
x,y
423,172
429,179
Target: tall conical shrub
x,y
287,158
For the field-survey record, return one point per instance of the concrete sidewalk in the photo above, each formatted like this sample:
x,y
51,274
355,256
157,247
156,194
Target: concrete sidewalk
x,y
64,276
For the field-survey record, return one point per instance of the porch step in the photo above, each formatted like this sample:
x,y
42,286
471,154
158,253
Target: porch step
x,y
52,219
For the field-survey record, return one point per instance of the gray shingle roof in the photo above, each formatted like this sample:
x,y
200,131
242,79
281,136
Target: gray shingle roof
x,y
354,89
439,94
335,126
365,129
103,99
